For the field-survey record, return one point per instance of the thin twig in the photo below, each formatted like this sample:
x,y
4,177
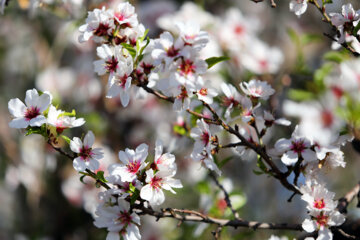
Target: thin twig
x,y
227,197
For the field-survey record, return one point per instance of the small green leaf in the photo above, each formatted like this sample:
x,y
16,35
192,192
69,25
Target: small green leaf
x,y
130,49
214,60
69,114
37,130
82,179
100,176
67,139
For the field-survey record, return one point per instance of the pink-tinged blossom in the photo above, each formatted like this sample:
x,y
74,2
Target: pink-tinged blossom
x,y
231,99
112,61
87,157
295,148
120,84
58,119
153,190
99,24
165,51
202,147
189,67
348,15
202,136
321,221
182,98
204,93
30,113
257,89
132,163
118,220
125,15
317,197
298,7
192,36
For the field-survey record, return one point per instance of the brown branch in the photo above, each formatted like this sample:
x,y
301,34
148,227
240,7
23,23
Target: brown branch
x,y
227,197
193,216
71,157
346,200
327,19
218,121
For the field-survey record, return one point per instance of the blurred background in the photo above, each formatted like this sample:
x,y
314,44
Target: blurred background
x,y
41,196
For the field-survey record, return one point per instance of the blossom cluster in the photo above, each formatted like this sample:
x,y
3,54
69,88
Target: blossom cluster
x,y
173,67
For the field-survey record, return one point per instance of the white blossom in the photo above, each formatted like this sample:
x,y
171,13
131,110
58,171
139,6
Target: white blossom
x,y
87,156
132,163
118,220
257,89
162,179
30,113
294,148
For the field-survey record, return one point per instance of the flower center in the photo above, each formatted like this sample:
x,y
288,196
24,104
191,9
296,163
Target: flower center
x,y
85,153
172,52
239,29
228,101
124,218
156,182
111,64
122,81
319,204
133,166
205,138
298,146
102,30
187,67
203,91
322,219
183,94
31,112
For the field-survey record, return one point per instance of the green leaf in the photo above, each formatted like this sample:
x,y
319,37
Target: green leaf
x,y
82,179
37,130
67,139
100,176
334,56
214,60
130,49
